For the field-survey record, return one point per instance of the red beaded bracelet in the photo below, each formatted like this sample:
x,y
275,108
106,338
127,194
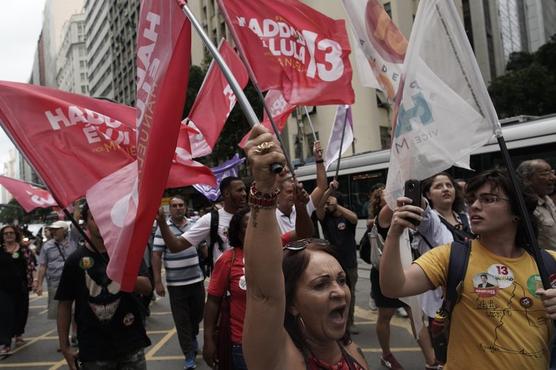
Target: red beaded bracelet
x,y
258,199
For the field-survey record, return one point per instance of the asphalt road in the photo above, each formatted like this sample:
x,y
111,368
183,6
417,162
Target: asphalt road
x,y
39,352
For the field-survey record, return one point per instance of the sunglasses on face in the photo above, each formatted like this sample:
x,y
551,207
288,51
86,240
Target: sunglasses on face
x,y
177,205
301,244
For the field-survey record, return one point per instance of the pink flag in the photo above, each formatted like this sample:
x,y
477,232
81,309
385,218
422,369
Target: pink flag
x,y
280,110
124,203
214,102
293,48
27,195
71,140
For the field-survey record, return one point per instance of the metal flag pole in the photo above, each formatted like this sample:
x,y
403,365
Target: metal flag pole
x,y
534,247
238,91
310,123
341,144
257,88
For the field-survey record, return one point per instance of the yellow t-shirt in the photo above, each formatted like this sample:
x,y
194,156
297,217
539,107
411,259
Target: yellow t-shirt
x,y
499,322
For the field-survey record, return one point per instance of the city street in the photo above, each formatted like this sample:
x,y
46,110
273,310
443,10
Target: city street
x,y
40,350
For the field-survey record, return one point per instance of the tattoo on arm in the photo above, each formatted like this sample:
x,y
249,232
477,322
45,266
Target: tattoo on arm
x,y
254,214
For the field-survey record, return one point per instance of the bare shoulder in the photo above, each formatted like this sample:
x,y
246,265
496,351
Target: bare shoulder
x,y
355,351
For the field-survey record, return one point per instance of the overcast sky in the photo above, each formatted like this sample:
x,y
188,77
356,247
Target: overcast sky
x,y
20,27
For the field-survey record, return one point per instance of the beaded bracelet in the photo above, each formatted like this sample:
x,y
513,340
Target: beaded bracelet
x,y
258,199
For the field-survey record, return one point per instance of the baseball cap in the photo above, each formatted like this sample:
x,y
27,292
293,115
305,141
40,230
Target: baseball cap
x,y
58,225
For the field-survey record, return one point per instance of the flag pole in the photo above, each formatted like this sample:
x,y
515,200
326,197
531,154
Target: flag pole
x,y
257,88
238,91
341,144
310,123
535,250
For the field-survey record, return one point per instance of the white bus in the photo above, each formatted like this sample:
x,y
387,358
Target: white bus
x,y
526,138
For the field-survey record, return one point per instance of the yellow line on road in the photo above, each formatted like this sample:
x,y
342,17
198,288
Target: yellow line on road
x,y
160,343
25,365
58,365
393,349
39,306
161,313
36,339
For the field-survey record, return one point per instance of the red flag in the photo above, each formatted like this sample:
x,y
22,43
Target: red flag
x,y
183,167
27,195
214,102
71,140
292,47
124,204
280,110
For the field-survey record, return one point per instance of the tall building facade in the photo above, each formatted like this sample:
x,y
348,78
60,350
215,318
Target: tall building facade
x,y
540,20
98,43
72,57
110,29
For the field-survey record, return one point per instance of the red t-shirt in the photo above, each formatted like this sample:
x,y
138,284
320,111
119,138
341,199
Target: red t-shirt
x,y
219,285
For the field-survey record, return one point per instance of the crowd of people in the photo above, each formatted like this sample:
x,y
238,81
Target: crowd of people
x,y
271,295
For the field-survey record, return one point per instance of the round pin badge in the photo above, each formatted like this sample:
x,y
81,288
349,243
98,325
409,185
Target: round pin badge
x,y
242,283
526,302
15,255
533,283
503,275
129,318
86,263
341,226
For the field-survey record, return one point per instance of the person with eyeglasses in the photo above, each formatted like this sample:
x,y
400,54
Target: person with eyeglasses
x,y
298,296
507,326
539,175
14,284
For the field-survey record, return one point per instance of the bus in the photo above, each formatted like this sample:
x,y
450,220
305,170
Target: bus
x,y
526,137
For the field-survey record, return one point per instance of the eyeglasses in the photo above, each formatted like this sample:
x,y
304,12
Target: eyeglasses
x,y
301,244
9,233
485,199
177,205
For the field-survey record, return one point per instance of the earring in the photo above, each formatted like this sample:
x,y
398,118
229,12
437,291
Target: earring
x,y
300,323
515,219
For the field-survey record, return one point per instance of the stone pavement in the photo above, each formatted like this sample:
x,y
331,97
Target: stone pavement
x,y
39,352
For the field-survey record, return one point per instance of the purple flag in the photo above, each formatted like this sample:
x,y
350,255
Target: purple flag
x,y
226,169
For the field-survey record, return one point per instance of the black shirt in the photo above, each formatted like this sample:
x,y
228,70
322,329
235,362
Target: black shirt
x,y
341,234
13,271
109,322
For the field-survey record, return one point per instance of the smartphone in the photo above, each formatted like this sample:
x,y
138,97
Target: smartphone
x,y
412,190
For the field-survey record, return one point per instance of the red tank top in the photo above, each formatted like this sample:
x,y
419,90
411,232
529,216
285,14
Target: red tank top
x,y
347,362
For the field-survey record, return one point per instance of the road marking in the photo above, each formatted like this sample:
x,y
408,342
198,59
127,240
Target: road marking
x,y
392,349
161,313
160,343
39,306
59,364
26,365
33,341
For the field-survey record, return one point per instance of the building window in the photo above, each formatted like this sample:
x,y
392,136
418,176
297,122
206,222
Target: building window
x,y
385,137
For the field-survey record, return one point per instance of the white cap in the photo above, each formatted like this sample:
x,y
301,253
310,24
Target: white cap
x,y
58,225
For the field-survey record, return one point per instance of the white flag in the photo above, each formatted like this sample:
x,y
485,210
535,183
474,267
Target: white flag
x,y
342,119
380,47
443,111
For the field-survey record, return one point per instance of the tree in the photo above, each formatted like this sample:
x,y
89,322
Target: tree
x,y
529,84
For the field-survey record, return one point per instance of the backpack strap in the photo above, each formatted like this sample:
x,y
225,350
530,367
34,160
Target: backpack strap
x,y
549,262
459,235
459,259
213,238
